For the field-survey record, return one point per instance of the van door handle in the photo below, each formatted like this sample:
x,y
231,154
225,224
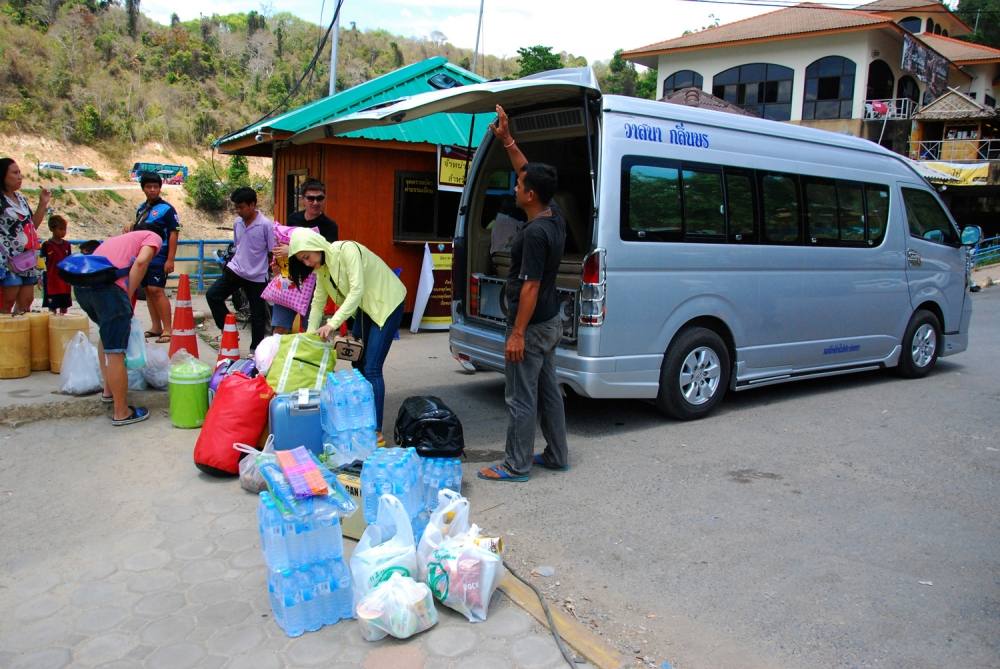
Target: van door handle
x,y
914,258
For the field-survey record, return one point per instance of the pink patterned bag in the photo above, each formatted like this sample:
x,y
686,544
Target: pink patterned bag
x,y
282,291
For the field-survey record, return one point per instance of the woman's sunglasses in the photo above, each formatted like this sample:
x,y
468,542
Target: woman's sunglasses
x,y
314,198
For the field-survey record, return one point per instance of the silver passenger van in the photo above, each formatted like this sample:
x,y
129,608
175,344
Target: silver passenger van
x,y
705,251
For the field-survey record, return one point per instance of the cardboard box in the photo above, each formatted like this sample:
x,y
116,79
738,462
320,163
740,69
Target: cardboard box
x,y
354,525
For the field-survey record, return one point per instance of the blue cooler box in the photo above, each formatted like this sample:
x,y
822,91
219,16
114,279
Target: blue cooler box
x,y
294,419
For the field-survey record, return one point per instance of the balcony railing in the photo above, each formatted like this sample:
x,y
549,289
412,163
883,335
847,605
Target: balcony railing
x,y
892,109
956,150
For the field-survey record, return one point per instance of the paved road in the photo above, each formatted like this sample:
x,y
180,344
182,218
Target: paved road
x,y
846,522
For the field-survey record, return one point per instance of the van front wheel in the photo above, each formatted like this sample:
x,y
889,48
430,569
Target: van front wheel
x,y
695,374
920,345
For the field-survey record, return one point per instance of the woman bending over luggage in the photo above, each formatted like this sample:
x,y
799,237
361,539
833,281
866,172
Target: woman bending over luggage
x,y
364,287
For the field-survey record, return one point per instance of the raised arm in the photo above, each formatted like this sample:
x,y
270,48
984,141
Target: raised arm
x,y
501,129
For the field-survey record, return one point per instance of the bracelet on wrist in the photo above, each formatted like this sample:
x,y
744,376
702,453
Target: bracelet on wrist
x,y
507,146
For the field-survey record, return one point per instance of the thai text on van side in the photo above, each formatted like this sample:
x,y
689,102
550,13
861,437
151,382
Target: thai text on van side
x,y
677,135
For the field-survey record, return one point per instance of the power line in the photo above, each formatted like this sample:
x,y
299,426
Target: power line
x,y
309,68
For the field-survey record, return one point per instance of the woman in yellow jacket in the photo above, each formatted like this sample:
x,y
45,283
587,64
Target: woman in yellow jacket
x,y
364,287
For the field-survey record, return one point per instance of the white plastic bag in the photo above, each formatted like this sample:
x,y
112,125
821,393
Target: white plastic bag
x,y
157,369
385,548
400,607
81,372
463,575
135,354
264,353
251,479
136,381
450,519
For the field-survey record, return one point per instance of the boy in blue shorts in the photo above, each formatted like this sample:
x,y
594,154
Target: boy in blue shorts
x,y
161,215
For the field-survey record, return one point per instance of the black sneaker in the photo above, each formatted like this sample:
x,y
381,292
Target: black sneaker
x,y
138,415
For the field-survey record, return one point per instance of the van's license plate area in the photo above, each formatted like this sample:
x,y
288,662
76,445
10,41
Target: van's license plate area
x,y
493,305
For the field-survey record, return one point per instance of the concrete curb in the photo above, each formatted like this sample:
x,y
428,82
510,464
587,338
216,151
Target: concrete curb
x,y
577,636
69,406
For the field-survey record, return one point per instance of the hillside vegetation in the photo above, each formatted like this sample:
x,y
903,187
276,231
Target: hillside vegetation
x,y
96,73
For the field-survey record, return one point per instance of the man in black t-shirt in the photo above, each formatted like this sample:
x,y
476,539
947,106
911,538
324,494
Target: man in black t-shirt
x,y
534,325
310,216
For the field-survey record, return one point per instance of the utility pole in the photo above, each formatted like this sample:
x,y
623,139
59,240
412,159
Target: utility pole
x,y
975,29
479,31
333,47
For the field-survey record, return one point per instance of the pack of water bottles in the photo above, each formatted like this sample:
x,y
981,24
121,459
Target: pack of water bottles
x,y
347,414
440,474
397,472
308,583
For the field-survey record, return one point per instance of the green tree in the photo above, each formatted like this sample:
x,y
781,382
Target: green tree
x,y
132,9
983,16
204,190
645,85
537,58
621,77
238,172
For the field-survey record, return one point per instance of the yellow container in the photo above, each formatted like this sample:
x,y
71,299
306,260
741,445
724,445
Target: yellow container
x,y
62,327
39,340
15,347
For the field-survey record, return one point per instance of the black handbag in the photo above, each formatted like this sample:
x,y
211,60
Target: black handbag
x,y
428,425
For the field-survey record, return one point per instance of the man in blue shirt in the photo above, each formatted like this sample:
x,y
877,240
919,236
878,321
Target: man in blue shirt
x,y
155,211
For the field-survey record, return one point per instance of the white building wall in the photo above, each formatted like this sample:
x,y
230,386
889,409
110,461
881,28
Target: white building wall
x,y
796,54
981,84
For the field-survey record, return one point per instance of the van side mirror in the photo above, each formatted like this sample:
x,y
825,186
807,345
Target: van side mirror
x,y
971,234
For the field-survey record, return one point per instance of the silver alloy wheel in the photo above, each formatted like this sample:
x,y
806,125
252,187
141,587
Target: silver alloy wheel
x,y
699,375
923,346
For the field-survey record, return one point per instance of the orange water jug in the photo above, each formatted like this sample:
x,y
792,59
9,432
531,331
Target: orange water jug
x,y
62,327
15,346
39,322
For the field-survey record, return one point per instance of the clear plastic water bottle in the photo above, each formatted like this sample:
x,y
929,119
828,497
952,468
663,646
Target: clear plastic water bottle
x,y
310,604
324,596
366,400
344,595
272,533
291,603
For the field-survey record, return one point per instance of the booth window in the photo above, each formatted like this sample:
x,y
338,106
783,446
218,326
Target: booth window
x,y
421,211
293,182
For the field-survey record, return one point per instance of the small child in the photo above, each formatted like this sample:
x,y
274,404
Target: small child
x,y
56,295
88,247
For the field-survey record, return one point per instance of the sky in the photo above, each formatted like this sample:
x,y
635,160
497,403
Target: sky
x,y
581,27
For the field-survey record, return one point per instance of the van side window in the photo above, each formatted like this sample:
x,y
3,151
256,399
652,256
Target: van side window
x,y
654,200
739,206
821,211
877,212
926,218
851,213
704,215
780,204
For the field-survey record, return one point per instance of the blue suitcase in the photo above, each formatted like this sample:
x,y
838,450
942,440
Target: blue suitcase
x,y
294,419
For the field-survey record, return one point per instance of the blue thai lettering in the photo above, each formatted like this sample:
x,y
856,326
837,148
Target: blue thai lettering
x,y
644,132
679,135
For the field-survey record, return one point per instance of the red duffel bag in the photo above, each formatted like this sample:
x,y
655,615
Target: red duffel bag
x,y
237,415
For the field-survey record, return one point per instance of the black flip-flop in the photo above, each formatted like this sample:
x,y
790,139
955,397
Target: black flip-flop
x,y
138,415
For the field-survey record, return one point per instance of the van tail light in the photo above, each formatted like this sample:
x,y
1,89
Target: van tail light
x,y
474,295
593,297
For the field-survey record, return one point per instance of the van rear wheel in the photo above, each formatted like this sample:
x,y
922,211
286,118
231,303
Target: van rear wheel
x,y
921,344
695,374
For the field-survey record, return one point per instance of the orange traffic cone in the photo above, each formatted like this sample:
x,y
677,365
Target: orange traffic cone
x,y
229,347
182,335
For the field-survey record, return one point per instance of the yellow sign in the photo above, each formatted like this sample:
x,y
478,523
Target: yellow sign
x,y
441,261
968,174
452,172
